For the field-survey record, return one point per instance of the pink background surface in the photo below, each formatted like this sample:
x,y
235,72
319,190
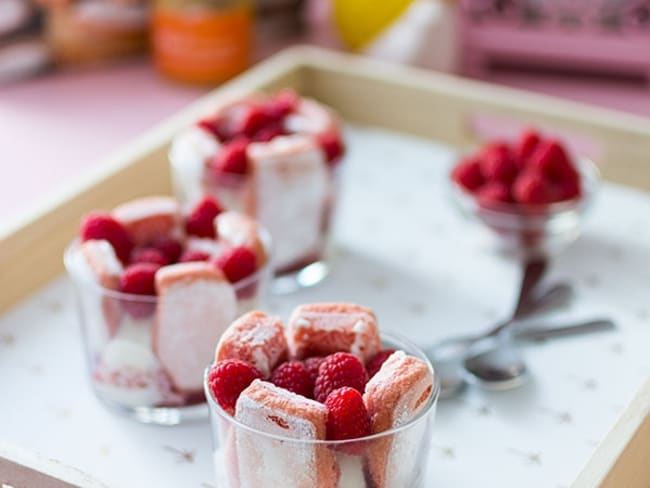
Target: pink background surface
x,y
55,127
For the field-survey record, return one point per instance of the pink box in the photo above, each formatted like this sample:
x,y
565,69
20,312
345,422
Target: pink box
x,y
603,36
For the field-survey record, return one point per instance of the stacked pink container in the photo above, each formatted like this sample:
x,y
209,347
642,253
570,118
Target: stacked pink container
x,y
601,36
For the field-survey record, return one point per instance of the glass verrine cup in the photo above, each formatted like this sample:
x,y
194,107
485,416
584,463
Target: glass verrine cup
x,y
125,371
300,233
531,230
403,451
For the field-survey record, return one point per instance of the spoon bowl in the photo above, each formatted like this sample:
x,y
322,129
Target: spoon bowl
x,y
495,363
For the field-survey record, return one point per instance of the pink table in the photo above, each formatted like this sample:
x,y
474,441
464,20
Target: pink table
x,y
54,127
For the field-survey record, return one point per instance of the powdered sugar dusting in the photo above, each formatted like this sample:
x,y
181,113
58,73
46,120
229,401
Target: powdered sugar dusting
x,y
270,462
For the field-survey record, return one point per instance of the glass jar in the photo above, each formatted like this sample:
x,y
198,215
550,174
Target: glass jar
x,y
201,41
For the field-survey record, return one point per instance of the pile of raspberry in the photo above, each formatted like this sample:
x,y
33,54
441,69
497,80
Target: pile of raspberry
x,y
337,380
142,262
258,121
531,171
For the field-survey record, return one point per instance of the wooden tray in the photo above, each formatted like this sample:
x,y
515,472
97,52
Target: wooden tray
x,y
448,109
621,460
453,111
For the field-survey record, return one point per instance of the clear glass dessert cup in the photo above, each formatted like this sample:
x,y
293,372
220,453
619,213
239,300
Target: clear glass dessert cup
x,y
117,328
528,231
292,270
398,456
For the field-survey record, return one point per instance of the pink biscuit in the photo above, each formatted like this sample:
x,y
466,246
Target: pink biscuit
x,y
324,328
311,117
100,257
257,338
395,395
289,192
269,462
203,244
102,264
237,229
195,305
149,217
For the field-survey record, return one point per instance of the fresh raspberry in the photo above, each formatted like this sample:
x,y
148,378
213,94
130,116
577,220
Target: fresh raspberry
x,y
498,163
237,263
551,160
139,279
526,146
493,194
231,158
252,119
312,364
347,417
149,255
200,222
468,174
228,378
338,370
293,376
216,127
191,256
332,145
377,360
269,132
569,189
169,246
104,226
281,105
530,188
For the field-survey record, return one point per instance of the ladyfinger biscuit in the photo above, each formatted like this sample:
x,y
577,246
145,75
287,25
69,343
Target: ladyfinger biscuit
x,y
266,462
289,188
149,217
395,395
257,338
324,328
196,303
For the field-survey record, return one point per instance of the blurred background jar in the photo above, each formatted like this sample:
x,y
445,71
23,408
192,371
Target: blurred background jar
x,y
92,31
23,51
202,41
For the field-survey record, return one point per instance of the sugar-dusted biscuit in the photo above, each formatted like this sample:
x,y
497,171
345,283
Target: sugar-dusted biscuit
x,y
102,263
311,117
270,462
324,328
395,395
257,338
203,245
149,217
237,229
189,152
97,262
289,190
196,303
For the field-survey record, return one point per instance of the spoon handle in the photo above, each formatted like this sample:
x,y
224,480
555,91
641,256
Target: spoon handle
x,y
542,333
532,273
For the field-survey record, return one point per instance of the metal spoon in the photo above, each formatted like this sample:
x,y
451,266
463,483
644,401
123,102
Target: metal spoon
x,y
447,355
494,363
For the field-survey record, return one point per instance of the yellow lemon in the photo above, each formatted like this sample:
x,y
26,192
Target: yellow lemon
x,y
360,21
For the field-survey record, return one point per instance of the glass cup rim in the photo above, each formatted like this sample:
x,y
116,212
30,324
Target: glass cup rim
x,y
68,257
414,350
587,169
